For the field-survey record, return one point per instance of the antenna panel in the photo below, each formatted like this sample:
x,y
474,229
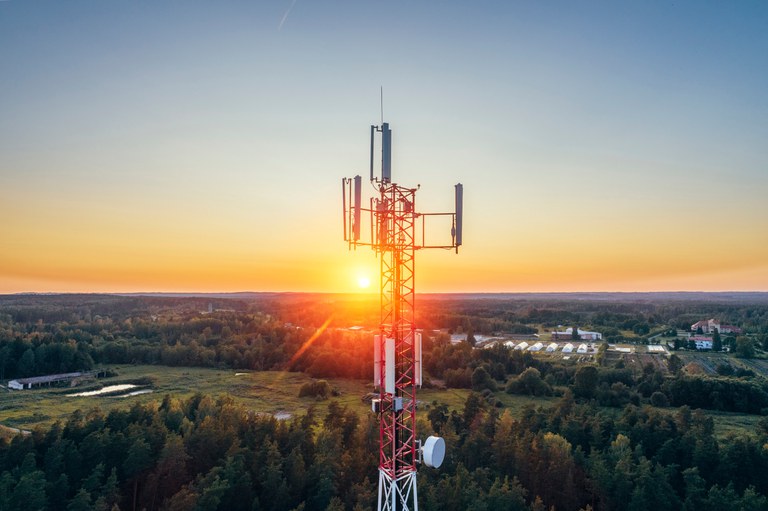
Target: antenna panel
x,y
377,361
386,153
418,376
389,365
459,212
356,223
373,130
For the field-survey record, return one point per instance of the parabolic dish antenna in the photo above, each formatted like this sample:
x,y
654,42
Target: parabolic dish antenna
x,y
434,451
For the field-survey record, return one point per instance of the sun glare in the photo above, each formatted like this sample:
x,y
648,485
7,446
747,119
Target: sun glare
x,y
363,282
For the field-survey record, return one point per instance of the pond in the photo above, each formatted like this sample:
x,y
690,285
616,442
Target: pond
x,y
106,390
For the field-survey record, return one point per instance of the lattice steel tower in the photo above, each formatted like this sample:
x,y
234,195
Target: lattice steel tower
x,y
395,231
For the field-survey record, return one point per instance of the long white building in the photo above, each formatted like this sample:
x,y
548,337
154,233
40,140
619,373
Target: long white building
x,y
584,335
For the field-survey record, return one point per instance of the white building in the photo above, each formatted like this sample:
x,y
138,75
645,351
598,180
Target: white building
x,y
568,348
582,348
702,343
38,381
584,335
708,326
521,346
552,347
536,347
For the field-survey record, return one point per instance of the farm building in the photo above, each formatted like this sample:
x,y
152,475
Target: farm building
x,y
509,344
584,335
568,348
708,326
523,345
39,381
582,348
552,347
536,347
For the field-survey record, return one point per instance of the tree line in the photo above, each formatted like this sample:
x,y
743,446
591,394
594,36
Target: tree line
x,y
206,454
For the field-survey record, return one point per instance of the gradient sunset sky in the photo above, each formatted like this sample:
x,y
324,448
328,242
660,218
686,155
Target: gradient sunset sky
x,y
190,145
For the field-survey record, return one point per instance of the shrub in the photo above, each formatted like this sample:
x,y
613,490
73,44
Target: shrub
x,y
659,399
529,382
318,389
482,380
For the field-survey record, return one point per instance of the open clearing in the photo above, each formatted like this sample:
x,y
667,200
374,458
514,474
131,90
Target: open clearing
x,y
271,392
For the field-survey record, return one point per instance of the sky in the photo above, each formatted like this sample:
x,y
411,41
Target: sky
x,y
199,146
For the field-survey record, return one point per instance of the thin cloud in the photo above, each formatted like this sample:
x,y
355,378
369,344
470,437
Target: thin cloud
x,y
285,16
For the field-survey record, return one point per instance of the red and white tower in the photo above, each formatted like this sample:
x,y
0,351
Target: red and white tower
x,y
395,232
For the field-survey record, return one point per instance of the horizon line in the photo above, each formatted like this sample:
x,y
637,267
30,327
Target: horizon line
x,y
372,293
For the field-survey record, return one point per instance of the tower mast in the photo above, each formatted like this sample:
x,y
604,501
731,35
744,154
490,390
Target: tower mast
x,y
392,222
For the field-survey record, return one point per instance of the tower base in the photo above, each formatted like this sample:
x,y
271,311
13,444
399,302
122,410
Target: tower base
x,y
398,494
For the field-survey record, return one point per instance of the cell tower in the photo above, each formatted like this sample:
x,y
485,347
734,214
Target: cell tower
x,y
395,231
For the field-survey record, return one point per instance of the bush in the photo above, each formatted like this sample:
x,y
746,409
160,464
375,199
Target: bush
x,y
482,380
458,378
724,369
659,399
529,382
318,389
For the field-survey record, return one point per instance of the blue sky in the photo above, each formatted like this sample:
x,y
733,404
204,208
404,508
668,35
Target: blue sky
x,y
161,145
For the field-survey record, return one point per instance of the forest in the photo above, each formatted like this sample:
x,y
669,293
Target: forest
x,y
611,437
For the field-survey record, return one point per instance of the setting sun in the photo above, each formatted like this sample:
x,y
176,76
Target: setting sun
x,y
363,282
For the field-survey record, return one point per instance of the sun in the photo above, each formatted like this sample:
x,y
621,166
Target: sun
x,y
363,282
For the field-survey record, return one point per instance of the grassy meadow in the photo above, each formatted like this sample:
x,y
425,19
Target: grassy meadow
x,y
271,392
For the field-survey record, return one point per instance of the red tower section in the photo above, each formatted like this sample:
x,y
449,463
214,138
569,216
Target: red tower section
x,y
395,222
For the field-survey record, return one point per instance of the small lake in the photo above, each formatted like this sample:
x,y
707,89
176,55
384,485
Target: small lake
x,y
136,393
105,390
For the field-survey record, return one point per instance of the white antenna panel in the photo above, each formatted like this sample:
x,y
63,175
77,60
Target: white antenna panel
x,y
389,366
418,371
377,361
358,200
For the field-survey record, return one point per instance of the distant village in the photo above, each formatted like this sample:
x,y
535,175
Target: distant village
x,y
703,335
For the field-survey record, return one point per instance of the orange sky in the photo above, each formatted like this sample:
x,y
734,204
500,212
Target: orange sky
x,y
144,148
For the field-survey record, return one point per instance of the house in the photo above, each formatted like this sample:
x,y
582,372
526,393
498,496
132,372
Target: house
x,y
709,326
521,346
582,348
702,343
536,347
584,335
552,347
568,348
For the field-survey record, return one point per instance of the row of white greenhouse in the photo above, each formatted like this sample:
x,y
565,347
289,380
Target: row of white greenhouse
x,y
552,347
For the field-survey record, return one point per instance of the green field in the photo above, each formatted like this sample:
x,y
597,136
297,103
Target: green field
x,y
265,392
269,392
